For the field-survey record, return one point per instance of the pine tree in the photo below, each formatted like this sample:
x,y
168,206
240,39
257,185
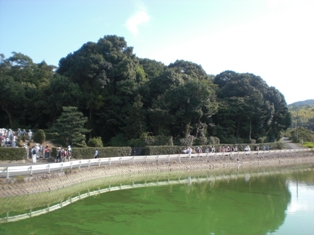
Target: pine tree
x,y
69,128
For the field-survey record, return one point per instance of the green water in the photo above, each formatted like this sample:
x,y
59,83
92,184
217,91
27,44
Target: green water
x,y
274,203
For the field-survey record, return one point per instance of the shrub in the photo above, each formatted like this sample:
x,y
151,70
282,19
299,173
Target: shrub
x,y
188,141
118,140
163,150
10,154
308,144
86,153
146,140
39,136
201,140
261,139
95,142
214,140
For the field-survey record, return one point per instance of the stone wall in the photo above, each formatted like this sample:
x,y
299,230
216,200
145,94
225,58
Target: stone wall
x,y
48,182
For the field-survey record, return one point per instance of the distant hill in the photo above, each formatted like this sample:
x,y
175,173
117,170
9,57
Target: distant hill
x,y
302,114
302,103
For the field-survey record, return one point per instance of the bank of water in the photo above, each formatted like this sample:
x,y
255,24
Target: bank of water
x,y
229,201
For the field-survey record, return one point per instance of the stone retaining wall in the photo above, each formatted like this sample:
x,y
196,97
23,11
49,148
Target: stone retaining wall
x,y
48,182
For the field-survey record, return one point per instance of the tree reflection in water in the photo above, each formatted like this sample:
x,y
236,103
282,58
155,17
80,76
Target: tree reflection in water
x,y
246,201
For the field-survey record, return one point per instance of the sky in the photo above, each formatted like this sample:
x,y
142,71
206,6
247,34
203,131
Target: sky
x,y
273,39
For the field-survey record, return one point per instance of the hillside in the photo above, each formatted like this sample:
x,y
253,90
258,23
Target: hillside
x,y
302,114
302,103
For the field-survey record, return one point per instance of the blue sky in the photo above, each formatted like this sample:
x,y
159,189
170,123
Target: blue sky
x,y
269,38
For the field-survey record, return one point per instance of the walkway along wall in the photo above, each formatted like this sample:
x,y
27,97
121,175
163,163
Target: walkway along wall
x,y
46,182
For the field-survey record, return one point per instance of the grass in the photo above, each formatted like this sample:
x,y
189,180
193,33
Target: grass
x,y
19,178
308,144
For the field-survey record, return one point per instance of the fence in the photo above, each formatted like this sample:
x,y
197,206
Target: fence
x,y
47,168
187,180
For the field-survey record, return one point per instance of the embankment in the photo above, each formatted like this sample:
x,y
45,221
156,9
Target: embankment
x,y
49,182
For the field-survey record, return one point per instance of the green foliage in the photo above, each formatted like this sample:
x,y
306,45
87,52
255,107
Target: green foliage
x,y
201,140
261,139
95,142
308,144
146,140
69,128
119,97
118,140
86,153
214,140
300,135
188,141
248,108
39,136
302,114
12,154
162,150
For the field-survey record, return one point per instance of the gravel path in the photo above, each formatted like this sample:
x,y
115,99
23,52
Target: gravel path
x,y
291,145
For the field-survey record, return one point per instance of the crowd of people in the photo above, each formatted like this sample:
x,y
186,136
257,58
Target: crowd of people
x,y
221,149
210,149
10,138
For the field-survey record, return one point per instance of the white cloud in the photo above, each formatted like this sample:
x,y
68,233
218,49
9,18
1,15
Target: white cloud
x,y
137,19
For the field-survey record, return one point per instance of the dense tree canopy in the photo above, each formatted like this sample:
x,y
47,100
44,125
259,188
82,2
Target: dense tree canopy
x,y
249,108
125,97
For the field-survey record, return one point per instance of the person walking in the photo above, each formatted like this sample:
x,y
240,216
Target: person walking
x,y
59,159
69,152
96,153
47,150
34,156
30,135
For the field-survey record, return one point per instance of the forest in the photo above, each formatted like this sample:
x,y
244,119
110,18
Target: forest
x,y
125,99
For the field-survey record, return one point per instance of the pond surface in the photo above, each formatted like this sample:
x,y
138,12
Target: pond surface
x,y
276,201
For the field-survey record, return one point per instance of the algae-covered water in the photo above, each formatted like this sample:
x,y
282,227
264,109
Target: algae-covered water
x,y
277,202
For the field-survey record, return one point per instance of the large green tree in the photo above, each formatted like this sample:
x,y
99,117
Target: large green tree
x,y
99,69
23,89
249,109
69,128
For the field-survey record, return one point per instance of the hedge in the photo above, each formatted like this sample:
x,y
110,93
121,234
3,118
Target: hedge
x,y
163,150
88,152
12,154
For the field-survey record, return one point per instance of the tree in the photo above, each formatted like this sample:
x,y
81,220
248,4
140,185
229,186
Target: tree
x,y
23,88
39,136
98,68
69,127
249,108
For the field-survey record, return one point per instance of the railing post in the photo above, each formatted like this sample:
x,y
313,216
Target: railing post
x,y
48,168
99,161
179,158
88,164
120,160
31,169
8,174
133,159
109,161
80,164
61,167
71,165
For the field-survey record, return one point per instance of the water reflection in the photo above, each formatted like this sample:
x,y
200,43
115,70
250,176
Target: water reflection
x,y
246,201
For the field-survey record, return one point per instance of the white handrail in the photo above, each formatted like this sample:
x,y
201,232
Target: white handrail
x,y
128,160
